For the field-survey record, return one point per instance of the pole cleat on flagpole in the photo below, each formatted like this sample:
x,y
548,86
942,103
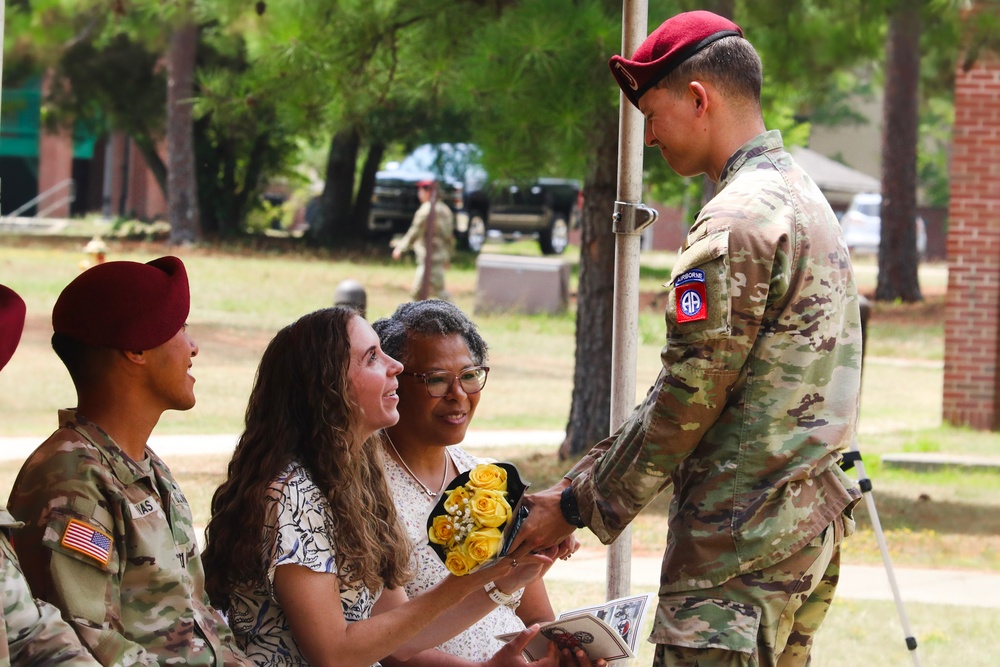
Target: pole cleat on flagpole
x,y
632,217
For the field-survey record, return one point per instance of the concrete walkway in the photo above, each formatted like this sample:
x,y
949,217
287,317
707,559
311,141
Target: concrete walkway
x,y
862,582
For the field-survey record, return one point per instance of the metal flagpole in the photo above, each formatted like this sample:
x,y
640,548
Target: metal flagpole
x,y
630,218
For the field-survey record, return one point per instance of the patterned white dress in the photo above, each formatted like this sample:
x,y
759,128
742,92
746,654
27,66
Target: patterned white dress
x,y
479,642
301,531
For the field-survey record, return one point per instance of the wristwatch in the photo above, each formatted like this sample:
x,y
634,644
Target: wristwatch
x,y
570,510
511,600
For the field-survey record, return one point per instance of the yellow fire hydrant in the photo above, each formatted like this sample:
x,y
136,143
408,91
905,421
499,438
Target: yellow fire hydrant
x,y
97,251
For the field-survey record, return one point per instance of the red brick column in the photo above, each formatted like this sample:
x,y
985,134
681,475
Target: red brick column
x,y
972,312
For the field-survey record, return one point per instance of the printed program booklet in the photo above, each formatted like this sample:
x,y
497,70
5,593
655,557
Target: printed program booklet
x,y
610,630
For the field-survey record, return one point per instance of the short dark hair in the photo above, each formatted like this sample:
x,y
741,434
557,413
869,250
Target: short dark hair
x,y
432,317
730,63
79,358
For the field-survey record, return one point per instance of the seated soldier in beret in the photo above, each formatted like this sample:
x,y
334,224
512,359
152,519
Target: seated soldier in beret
x,y
33,631
108,535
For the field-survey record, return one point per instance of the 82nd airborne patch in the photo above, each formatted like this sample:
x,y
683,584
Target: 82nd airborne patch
x,y
689,290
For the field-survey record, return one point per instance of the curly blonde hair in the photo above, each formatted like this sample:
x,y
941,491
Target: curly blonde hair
x,y
301,409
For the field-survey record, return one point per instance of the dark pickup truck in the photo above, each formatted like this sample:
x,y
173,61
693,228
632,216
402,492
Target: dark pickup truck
x,y
545,207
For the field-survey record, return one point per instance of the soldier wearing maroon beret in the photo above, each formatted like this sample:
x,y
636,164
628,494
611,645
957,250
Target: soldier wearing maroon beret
x,y
758,394
31,631
108,536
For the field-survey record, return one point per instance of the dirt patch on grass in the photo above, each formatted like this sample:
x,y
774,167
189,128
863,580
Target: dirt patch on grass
x,y
929,312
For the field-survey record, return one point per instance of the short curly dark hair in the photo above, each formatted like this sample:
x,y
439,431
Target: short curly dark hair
x,y
431,317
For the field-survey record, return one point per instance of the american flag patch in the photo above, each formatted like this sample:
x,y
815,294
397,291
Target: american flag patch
x,y
88,540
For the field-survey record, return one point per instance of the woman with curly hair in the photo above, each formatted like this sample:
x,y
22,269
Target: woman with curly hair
x,y
305,553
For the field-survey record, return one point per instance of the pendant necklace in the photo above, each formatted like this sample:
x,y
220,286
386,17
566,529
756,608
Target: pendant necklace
x,y
427,490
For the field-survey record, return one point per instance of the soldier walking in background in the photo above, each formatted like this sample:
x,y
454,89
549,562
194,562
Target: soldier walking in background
x,y
431,237
108,535
33,631
759,391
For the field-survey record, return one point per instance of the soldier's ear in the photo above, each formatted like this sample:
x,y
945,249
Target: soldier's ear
x,y
699,97
135,356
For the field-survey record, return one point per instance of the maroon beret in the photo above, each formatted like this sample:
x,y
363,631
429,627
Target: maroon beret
x,y
677,39
125,305
11,323
426,183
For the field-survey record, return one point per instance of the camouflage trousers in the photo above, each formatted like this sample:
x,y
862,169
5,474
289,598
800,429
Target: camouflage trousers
x,y
436,288
762,619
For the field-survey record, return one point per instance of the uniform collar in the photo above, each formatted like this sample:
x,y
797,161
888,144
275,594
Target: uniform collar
x,y
762,143
121,464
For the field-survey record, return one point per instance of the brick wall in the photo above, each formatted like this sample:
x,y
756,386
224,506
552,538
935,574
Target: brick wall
x,y
972,312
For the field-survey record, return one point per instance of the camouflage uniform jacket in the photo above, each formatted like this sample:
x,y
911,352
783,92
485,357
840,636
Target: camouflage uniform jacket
x,y
34,632
444,230
112,544
759,389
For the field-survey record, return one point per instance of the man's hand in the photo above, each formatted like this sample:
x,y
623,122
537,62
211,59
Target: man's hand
x,y
396,253
545,526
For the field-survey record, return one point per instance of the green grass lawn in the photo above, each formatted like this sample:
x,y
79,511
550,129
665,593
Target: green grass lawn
x,y
859,632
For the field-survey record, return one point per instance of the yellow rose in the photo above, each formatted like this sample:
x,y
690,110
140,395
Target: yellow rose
x,y
483,544
490,508
458,562
442,530
459,498
488,476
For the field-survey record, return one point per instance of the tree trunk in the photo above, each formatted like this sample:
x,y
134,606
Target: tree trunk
x,y
182,188
897,253
336,202
147,147
590,410
366,186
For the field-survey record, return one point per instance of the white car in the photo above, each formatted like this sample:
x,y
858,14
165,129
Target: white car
x,y
862,225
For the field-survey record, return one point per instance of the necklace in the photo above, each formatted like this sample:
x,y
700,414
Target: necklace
x,y
427,490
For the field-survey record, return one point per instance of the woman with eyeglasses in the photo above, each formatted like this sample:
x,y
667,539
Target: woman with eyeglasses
x,y
444,373
305,552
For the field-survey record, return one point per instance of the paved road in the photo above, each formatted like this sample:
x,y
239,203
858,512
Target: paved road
x,y
862,582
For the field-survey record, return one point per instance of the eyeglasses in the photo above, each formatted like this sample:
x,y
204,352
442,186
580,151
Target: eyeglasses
x,y
438,383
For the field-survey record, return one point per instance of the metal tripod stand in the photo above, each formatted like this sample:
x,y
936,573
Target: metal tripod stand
x,y
852,459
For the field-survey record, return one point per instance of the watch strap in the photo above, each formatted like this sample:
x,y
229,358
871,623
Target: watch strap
x,y
501,598
570,508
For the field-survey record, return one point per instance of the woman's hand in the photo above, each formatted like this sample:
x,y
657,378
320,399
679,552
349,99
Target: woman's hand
x,y
511,654
567,547
529,569
578,658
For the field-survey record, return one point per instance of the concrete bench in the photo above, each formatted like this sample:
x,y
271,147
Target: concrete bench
x,y
512,283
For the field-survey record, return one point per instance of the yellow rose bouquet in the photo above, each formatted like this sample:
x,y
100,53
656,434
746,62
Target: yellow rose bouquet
x,y
473,523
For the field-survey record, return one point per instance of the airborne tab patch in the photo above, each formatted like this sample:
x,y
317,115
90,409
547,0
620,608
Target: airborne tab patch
x,y
87,540
689,290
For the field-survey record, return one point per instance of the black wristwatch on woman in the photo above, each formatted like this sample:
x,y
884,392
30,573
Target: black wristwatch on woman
x,y
570,510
